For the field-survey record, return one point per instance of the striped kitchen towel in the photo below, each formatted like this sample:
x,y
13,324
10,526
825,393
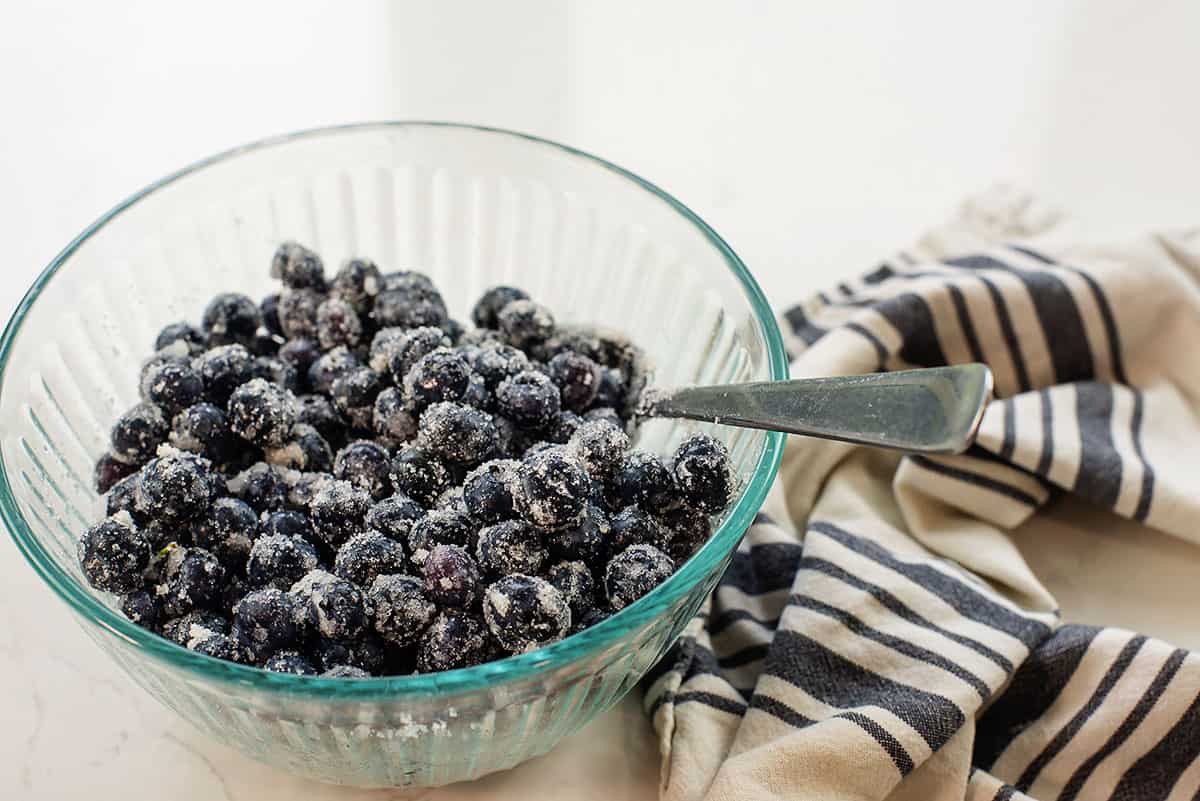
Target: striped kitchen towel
x,y
878,635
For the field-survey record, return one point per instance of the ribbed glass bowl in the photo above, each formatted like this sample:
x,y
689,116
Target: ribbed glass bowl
x,y
472,207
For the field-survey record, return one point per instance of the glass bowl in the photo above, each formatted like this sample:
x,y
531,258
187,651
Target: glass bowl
x,y
472,207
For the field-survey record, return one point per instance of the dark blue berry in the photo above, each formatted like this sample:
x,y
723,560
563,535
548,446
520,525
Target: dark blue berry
x,y
400,610
193,579
113,555
577,378
297,266
589,618
329,606
338,324
265,620
261,413
367,555
297,311
525,612
187,333
397,350
419,474
488,490
204,429
634,526
553,489
137,434
109,471
278,372
634,572
451,576
122,497
574,580
455,639
585,541
354,393
227,530
529,399
305,449
357,282
223,370
262,486
171,385
337,512
408,302
441,375
300,354
644,480
330,367
394,516
318,412
279,560
488,307
438,527
303,487
230,317
563,427
496,361
703,473
365,464
688,529
142,608
394,418
289,523
600,447
512,546
176,486
366,652
194,624
265,346
220,646
269,309
288,661
525,323
605,414
457,433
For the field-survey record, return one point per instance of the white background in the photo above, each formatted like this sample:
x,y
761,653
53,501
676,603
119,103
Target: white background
x,y
814,137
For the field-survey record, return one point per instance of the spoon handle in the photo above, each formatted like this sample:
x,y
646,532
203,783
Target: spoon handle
x,y
931,410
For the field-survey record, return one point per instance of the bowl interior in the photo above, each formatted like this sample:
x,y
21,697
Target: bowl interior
x,y
472,208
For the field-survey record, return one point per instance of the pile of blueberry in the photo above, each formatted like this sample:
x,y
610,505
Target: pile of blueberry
x,y
342,480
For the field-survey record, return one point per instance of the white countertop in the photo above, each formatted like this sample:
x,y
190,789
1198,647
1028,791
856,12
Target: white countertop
x,y
814,140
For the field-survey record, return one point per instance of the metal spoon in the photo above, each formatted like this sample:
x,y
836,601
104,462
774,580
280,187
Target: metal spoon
x,y
932,410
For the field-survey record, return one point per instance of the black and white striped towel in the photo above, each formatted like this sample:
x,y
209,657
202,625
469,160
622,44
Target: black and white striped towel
x,y
879,635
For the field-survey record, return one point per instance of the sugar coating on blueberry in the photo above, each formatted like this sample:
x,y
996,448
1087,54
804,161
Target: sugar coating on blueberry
x,y
193,579
419,474
304,449
643,479
366,465
688,529
338,324
280,560
553,489
224,369
487,309
289,661
297,266
171,385
441,375
496,361
397,350
367,555
438,527
345,672
574,580
176,486
511,546
488,490
451,576
261,413
634,526
525,322
303,487
399,608
394,516
525,612
332,606
330,367
337,512
585,541
137,434
183,332
113,554
703,473
180,629
605,414
577,378
220,646
457,433
357,282
600,447
110,471
393,417
142,608
634,572
227,529
203,429
455,639
529,399
265,619
231,317
261,485
366,651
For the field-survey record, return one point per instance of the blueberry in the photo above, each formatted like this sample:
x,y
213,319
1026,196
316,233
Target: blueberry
x,y
142,608
113,555
574,580
354,393
642,479
396,350
585,541
180,629
230,317
278,560
438,527
227,530
451,576
525,323
634,572
480,336
278,372
337,512
265,620
171,385
600,447
633,526
268,307
488,307
122,497
394,516
419,474
496,361
553,489
288,661
304,449
577,378
409,303
179,332
300,354
345,672
297,266
161,534
441,375
703,473
525,612
330,367
176,486
688,529
367,555
262,486
137,434
264,345
408,281
288,523
297,312
589,618
365,652
488,490
455,639
329,605
109,471
611,390
223,370
220,646
364,464
338,324
478,395
511,546
605,414
194,579
510,441
457,433
563,427
394,418
303,487
318,412
529,399
400,610
357,282
261,413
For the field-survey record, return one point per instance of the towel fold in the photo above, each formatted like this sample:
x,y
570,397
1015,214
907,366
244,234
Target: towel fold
x,y
878,635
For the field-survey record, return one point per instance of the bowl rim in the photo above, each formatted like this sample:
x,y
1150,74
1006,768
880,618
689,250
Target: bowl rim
x,y
509,669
